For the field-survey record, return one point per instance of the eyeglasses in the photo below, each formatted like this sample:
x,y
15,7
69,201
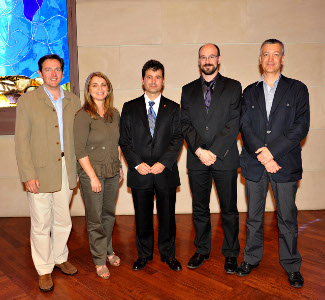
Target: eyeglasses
x,y
211,57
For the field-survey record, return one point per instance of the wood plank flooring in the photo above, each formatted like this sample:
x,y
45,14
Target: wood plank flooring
x,y
19,280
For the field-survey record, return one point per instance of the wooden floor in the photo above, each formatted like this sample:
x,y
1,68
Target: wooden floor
x,y
19,280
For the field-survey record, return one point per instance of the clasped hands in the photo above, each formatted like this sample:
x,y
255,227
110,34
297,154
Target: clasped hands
x,y
206,156
265,157
145,169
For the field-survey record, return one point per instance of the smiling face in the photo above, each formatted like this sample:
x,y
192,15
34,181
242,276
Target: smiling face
x,y
153,82
52,74
209,59
98,89
271,59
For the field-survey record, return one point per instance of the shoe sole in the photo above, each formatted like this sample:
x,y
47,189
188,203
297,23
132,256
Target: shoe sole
x,y
47,290
230,272
195,267
171,268
243,275
296,286
67,273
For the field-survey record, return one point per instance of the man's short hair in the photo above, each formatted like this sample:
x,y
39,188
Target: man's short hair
x,y
155,65
272,42
212,45
50,56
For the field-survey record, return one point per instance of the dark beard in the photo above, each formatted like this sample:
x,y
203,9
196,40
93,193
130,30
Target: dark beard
x,y
208,72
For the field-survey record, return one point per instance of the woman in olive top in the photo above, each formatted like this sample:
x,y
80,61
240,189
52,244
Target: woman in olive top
x,y
96,135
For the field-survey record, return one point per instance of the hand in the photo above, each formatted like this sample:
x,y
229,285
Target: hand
x,y
157,168
206,156
121,175
96,186
272,167
264,156
144,169
32,186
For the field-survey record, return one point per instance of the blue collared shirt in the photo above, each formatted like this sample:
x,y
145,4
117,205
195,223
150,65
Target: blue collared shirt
x,y
58,107
269,93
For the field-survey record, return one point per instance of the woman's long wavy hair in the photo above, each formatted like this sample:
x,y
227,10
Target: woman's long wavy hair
x,y
90,106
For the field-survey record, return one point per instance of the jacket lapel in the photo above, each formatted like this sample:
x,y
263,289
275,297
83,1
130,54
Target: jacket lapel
x,y
279,93
259,95
218,88
198,99
142,111
162,113
65,100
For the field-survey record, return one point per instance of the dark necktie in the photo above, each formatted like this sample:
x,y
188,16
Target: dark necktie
x,y
207,98
151,117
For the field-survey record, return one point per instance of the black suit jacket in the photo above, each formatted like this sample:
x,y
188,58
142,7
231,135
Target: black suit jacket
x,y
216,130
138,146
287,126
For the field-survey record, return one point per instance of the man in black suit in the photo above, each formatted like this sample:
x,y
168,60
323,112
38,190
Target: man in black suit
x,y
210,111
151,141
275,119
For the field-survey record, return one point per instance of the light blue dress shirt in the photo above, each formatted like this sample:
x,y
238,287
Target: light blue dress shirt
x,y
269,93
58,108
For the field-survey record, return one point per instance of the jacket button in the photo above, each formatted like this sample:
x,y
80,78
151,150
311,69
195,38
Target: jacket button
x,y
53,109
57,143
59,159
265,145
268,132
56,126
253,106
288,104
103,147
206,128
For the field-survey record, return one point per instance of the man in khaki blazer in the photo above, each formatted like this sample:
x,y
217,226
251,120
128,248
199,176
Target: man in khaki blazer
x,y
47,166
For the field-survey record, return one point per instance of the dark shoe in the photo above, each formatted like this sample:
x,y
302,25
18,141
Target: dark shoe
x,y
245,268
295,279
141,263
67,268
231,265
197,260
45,282
173,263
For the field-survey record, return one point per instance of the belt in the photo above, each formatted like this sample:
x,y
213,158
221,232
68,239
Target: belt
x,y
62,154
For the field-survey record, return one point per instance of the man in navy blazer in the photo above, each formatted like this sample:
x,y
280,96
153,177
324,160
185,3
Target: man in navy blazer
x,y
210,113
275,119
151,140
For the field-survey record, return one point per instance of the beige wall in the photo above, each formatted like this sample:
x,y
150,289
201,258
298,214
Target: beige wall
x,y
118,37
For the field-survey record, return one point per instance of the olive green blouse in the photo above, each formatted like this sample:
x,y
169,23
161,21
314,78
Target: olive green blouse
x,y
98,139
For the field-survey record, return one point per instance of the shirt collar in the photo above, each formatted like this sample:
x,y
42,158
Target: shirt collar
x,y
51,96
262,80
212,81
157,100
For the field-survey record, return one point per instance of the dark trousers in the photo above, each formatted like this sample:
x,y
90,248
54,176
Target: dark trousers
x,y
226,184
284,194
100,215
143,200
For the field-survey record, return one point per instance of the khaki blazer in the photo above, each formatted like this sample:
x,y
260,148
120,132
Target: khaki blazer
x,y
37,138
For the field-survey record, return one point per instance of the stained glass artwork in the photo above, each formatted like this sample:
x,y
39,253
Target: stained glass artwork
x,y
30,29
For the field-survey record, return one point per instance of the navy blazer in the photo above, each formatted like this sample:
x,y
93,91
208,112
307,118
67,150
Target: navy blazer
x,y
216,130
287,126
139,146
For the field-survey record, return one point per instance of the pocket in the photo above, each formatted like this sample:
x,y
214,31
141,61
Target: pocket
x,y
98,154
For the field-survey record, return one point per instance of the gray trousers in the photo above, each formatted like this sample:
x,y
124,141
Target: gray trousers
x,y
284,194
100,215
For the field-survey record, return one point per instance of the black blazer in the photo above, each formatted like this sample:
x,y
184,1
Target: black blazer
x,y
287,126
216,130
138,146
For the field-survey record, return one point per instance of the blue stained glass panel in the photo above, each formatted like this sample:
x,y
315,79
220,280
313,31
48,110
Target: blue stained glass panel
x,y
30,29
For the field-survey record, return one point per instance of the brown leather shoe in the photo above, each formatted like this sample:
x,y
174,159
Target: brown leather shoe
x,y
45,282
67,268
